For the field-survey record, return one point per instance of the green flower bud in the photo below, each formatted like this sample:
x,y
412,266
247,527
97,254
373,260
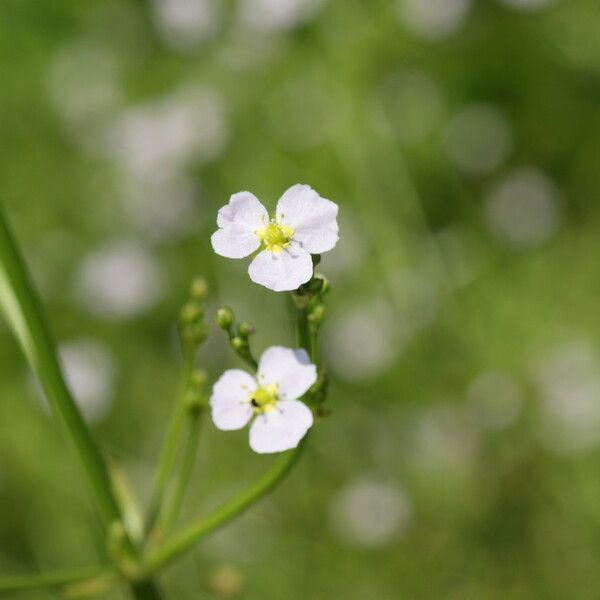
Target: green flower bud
x,y
195,397
319,284
316,315
196,402
194,333
224,318
199,289
191,312
238,343
245,329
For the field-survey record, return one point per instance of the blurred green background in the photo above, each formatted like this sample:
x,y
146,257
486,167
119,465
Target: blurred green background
x,y
460,139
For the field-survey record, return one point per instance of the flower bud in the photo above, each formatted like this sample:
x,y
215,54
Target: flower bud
x,y
194,333
224,318
316,315
319,284
245,329
191,312
195,397
199,289
227,582
238,343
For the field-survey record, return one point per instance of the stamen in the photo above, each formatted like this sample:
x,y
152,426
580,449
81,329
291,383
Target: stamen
x,y
275,236
264,399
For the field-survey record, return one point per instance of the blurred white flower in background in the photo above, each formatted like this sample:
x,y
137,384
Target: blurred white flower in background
x,y
523,210
414,104
528,5
465,254
162,208
360,343
444,437
496,399
364,341
276,15
183,24
567,377
245,51
433,19
415,300
370,513
118,280
169,133
478,139
90,373
83,81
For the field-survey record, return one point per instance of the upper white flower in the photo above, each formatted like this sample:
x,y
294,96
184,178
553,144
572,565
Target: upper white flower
x,y
304,224
280,419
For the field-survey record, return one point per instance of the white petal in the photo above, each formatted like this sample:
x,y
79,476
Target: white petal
x,y
238,221
282,271
290,369
244,209
234,242
280,429
313,219
230,400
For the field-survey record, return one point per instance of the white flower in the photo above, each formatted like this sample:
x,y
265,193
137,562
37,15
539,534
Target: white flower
x,y
280,419
304,224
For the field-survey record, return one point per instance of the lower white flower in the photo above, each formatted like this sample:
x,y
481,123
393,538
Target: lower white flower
x,y
304,224
271,398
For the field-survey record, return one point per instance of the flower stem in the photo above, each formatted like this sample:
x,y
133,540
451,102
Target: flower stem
x,y
24,315
19,583
169,449
314,346
227,511
303,338
169,516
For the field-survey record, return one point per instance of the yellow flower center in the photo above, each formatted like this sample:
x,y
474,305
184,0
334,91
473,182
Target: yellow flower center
x,y
275,236
264,398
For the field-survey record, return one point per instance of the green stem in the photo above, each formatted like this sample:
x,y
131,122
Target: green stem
x,y
249,359
146,590
245,353
169,449
171,512
303,338
20,583
314,345
226,512
24,315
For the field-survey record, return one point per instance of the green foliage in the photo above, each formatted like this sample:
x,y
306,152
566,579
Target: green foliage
x,y
446,298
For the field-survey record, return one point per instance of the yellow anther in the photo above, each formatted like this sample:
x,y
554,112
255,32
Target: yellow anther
x,y
264,398
275,236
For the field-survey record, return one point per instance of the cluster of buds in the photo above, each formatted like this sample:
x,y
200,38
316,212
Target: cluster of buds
x,y
193,329
196,400
238,333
